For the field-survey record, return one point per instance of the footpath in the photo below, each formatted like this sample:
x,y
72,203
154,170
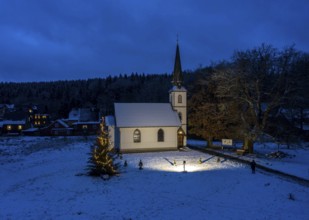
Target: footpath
x,y
246,160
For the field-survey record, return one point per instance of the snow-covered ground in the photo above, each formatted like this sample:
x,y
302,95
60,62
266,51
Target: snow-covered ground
x,y
295,163
42,178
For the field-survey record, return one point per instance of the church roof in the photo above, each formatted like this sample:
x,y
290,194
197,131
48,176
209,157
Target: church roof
x,y
146,115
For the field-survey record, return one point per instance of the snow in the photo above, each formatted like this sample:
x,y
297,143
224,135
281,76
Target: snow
x,y
87,123
177,89
74,114
10,122
296,163
63,123
146,115
42,178
31,129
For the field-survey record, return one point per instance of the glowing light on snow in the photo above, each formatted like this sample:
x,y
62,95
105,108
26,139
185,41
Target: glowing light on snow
x,y
190,167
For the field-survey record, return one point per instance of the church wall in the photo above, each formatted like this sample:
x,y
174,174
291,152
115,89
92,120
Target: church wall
x,y
180,106
111,134
149,139
174,98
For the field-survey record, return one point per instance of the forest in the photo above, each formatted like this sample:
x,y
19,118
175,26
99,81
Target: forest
x,y
258,91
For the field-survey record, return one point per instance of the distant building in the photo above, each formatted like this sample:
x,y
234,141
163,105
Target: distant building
x,y
36,117
86,128
82,115
12,127
152,126
57,128
84,121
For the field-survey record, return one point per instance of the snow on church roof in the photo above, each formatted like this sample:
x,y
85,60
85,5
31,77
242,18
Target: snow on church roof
x,y
146,115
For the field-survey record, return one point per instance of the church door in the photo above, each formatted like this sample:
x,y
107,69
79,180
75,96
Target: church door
x,y
180,137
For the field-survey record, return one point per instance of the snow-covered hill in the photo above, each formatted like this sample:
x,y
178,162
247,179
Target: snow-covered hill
x,y
41,178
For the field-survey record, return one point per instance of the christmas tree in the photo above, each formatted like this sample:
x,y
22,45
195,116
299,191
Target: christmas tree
x,y
101,161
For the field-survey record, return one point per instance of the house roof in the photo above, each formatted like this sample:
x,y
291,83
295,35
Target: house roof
x,y
11,122
87,123
31,130
82,114
63,124
74,114
146,115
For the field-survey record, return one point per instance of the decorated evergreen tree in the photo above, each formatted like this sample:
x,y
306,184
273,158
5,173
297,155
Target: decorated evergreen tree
x,y
101,161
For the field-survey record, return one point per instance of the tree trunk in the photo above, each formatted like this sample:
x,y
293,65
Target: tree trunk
x,y
248,145
209,142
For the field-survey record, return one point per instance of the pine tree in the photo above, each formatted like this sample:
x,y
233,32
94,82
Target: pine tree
x,y
101,161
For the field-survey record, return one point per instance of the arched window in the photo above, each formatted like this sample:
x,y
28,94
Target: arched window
x,y
160,135
179,99
180,116
137,136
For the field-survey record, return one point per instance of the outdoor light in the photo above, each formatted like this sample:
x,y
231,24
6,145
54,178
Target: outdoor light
x,y
140,164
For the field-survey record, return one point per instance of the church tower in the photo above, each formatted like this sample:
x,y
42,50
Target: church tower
x,y
178,99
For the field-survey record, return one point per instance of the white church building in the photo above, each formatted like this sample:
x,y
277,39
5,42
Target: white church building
x,y
138,127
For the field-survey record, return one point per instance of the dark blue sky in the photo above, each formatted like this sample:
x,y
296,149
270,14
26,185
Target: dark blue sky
x,y
79,39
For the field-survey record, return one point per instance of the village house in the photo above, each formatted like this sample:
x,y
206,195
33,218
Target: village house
x,y
13,121
57,128
8,127
84,121
36,118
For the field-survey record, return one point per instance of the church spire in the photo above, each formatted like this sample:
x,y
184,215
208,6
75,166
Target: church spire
x,y
177,74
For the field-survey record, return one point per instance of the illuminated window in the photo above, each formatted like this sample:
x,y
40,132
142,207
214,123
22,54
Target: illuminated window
x,y
35,116
44,116
30,110
20,127
137,136
179,99
39,116
9,127
39,123
160,135
85,126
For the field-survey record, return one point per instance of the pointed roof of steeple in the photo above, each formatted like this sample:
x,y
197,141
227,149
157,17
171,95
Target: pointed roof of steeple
x,y
177,73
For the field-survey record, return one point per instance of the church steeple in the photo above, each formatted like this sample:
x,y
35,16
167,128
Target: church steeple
x,y
178,100
177,74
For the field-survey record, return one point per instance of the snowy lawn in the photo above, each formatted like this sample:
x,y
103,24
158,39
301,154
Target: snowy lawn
x,y
41,179
296,163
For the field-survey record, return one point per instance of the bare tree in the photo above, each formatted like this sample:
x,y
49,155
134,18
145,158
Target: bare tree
x,y
257,81
208,114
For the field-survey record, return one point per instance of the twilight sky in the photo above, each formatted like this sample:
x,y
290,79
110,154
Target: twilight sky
x,y
44,40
